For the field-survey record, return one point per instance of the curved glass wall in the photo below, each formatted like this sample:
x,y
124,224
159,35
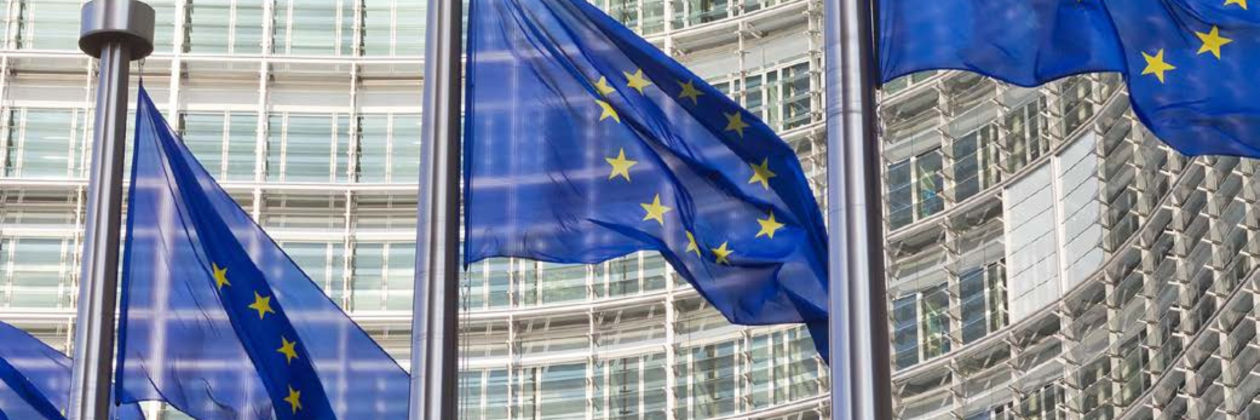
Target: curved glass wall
x,y
1050,259
308,112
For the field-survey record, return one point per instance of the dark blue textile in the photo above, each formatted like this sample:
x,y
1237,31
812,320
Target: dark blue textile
x,y
35,379
218,321
585,142
1189,65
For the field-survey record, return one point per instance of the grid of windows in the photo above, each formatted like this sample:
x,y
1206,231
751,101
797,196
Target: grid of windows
x,y
1049,259
308,113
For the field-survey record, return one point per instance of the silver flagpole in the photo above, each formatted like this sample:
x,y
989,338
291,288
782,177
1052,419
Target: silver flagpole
x,y
860,360
434,344
116,32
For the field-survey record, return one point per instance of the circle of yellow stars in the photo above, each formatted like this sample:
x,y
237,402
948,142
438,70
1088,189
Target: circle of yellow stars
x,y
262,304
1210,42
620,166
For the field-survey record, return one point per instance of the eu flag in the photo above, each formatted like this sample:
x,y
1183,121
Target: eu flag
x,y
217,321
1189,64
35,379
584,142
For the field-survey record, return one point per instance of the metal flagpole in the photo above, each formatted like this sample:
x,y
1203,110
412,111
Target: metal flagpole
x,y
116,32
860,360
434,324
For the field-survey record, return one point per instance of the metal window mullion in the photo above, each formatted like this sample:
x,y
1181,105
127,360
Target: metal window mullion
x,y
19,155
8,269
326,280
6,121
260,138
231,27
512,398
284,146
64,270
334,140
72,145
225,140
384,281
13,9
338,16
592,349
393,28
288,26
355,131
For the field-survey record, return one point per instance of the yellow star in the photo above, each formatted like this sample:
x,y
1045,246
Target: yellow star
x,y
262,305
769,226
1212,41
1242,3
1156,65
722,254
689,91
655,211
691,244
294,399
609,112
762,173
220,276
637,81
620,166
603,87
288,349
735,122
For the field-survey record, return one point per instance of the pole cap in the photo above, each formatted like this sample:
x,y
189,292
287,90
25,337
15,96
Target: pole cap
x,y
128,22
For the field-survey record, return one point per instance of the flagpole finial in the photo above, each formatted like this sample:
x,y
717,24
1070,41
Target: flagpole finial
x,y
126,22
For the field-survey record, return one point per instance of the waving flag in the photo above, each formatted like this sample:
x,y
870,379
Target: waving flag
x,y
220,323
1189,64
584,143
35,379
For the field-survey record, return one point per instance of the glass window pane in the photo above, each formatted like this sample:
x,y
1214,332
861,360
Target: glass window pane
x,y
49,24
906,331
373,148
242,145
562,393
935,305
972,296
314,27
796,96
368,282
563,283
930,183
405,149
400,279
307,148
203,134
37,276
44,144
900,200
210,30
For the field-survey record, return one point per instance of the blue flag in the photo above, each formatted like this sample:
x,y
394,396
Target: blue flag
x,y
1189,64
35,379
217,321
584,142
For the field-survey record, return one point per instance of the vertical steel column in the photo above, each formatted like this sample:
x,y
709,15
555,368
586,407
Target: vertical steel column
x,y
434,344
860,360
116,32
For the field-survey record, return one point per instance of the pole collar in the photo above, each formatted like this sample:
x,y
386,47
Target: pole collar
x,y
127,22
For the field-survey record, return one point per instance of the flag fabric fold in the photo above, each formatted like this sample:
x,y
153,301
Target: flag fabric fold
x,y
35,379
1188,64
584,142
217,320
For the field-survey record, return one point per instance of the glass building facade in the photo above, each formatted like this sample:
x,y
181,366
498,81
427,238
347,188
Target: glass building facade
x,y
1047,257
308,113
